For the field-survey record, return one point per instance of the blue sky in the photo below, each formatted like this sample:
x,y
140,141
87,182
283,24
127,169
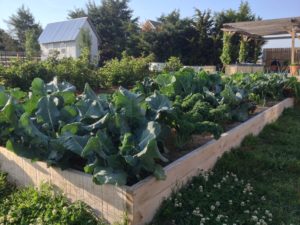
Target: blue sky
x,y
46,11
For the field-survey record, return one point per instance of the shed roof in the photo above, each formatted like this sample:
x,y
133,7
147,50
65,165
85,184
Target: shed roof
x,y
155,24
264,27
63,31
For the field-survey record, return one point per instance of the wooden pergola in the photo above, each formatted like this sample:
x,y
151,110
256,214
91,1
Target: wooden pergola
x,y
259,29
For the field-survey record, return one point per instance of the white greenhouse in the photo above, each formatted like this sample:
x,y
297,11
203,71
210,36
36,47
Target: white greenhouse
x,y
64,38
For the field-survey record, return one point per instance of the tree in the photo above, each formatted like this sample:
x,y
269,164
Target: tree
x,y
76,13
115,26
22,21
32,46
7,43
204,46
175,37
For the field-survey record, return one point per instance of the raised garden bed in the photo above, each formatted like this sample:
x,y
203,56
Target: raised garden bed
x,y
140,201
243,68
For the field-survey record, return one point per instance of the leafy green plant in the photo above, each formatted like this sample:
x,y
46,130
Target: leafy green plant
x,y
115,140
226,52
125,71
43,206
173,64
243,50
202,103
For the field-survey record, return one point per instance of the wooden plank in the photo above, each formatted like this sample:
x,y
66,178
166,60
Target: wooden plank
x,y
107,200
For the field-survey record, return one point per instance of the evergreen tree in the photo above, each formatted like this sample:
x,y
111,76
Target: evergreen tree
x,y
7,43
22,21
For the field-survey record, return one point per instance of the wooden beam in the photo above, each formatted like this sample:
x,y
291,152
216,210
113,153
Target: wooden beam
x,y
293,33
240,31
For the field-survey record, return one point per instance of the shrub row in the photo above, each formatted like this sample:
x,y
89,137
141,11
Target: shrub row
x,y
125,72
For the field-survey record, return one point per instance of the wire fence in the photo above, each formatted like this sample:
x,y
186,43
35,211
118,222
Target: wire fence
x,y
8,57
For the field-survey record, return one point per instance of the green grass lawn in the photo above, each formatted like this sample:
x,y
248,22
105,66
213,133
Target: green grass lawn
x,y
27,206
258,183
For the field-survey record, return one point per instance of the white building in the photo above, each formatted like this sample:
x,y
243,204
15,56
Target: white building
x,y
64,38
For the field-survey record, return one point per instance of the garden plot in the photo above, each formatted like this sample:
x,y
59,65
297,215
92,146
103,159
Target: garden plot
x,y
121,140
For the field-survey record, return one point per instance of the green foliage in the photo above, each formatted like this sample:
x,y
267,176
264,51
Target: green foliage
x,y
43,206
120,138
115,140
225,56
32,46
21,74
265,87
125,71
202,103
7,43
85,41
21,22
173,64
243,50
197,40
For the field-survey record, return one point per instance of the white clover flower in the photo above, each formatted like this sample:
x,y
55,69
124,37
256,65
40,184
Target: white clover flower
x,y
201,188
263,198
218,203
230,202
254,218
212,208
243,204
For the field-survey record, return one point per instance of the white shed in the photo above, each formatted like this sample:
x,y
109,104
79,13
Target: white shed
x,y
63,37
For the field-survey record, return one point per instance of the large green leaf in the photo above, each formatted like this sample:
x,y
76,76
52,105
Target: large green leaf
x,y
130,104
105,175
164,80
94,109
38,87
73,142
47,111
22,151
98,124
93,146
149,133
31,104
30,129
3,99
72,128
159,103
147,158
8,114
69,114
17,93
55,86
63,89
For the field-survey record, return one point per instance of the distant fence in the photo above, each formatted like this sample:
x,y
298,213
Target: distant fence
x,y
282,55
7,57
158,67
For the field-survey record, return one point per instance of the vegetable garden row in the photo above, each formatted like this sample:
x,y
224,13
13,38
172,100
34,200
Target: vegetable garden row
x,y
122,138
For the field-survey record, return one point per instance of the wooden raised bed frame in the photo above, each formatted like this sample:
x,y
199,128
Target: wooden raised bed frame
x,y
140,201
